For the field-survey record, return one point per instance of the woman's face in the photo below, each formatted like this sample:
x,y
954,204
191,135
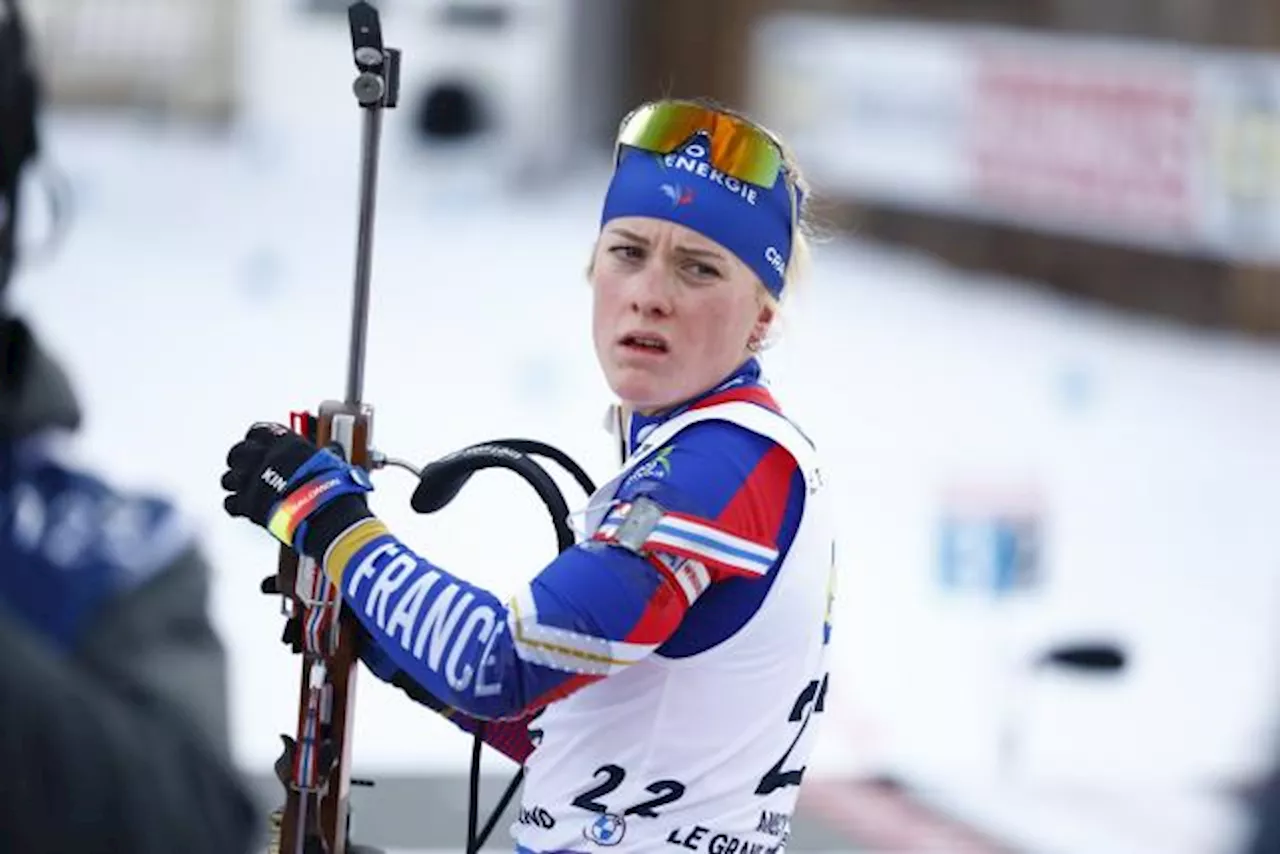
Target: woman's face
x,y
673,311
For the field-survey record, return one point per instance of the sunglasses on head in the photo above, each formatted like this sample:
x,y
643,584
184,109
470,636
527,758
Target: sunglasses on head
x,y
737,146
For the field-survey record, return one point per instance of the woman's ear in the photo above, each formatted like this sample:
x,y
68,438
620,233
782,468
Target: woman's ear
x,y
764,319
591,261
760,330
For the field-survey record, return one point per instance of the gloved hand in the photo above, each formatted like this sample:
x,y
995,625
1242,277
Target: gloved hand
x,y
303,495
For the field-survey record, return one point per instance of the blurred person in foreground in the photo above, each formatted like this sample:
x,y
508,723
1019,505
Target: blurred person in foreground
x,y
113,703
675,657
1265,809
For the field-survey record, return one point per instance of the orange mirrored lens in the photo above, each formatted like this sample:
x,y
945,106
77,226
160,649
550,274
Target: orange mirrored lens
x,y
738,148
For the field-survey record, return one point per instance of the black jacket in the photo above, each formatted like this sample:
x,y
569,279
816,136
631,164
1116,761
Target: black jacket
x,y
113,700
1266,812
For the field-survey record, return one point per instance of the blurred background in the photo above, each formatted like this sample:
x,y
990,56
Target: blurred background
x,y
1040,350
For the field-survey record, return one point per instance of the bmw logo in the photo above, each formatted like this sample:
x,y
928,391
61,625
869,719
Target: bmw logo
x,y
607,829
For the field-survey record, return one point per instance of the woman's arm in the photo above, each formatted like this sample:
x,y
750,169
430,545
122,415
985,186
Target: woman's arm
x,y
725,504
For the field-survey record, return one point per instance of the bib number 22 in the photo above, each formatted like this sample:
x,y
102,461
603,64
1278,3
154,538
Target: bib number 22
x,y
664,791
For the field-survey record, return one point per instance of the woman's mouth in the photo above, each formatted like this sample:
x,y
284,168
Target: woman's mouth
x,y
644,342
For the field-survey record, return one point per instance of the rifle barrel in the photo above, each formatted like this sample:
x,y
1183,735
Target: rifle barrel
x,y
371,136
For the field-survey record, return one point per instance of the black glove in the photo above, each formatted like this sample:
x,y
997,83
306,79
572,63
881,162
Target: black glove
x,y
303,495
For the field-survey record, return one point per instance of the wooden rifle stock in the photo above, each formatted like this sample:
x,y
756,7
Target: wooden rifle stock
x,y
315,816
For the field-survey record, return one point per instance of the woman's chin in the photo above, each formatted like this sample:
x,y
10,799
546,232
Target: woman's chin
x,y
642,391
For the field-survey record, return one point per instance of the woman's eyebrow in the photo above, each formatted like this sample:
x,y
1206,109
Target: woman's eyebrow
x,y
627,234
700,253
630,235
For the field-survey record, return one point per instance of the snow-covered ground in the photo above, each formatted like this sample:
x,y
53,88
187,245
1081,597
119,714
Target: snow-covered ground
x,y
206,284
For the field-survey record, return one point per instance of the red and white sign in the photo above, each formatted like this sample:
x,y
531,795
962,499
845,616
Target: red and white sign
x,y
1114,140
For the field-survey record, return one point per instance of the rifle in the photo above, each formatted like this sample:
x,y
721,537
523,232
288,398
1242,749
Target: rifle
x,y
314,766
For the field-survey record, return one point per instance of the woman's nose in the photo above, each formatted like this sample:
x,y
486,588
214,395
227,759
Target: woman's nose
x,y
651,295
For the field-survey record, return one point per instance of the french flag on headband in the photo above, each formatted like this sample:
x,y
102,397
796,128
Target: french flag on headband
x,y
752,222
694,538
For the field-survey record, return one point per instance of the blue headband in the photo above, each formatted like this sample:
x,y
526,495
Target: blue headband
x,y
751,222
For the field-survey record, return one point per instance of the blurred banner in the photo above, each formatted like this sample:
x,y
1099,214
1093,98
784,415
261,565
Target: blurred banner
x,y
1157,146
